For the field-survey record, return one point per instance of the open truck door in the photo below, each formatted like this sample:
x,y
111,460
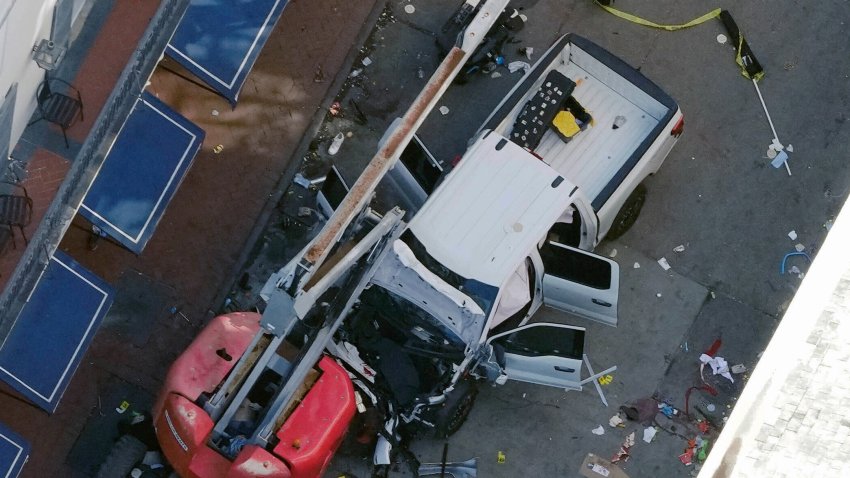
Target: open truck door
x,y
580,283
541,353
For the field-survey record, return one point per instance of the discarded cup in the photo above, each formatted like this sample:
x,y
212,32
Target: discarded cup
x,y
336,143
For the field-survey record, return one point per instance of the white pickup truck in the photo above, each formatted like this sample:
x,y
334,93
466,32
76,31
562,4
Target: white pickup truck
x,y
446,297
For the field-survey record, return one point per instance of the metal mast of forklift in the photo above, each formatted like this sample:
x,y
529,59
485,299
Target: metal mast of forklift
x,y
284,305
386,157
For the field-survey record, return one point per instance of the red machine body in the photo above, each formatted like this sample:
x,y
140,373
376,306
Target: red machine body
x,y
308,437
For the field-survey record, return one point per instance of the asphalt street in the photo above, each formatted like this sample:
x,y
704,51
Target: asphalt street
x,y
716,195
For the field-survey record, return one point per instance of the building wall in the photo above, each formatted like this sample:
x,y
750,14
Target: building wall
x,y
23,23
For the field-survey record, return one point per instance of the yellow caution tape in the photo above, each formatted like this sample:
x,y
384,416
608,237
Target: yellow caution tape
x,y
640,21
740,61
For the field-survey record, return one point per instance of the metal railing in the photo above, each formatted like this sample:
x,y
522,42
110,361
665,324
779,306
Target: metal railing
x,y
85,166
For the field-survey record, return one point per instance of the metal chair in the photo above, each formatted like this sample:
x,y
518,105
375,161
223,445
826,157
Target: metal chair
x,y
16,211
60,103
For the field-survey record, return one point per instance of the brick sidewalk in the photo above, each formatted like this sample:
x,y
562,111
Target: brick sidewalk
x,y
208,224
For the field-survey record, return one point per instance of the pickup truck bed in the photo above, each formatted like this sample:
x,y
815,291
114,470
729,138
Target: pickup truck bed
x,y
600,157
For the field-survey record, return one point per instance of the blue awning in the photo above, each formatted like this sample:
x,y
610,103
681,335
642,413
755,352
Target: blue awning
x,y
141,172
14,452
53,331
219,41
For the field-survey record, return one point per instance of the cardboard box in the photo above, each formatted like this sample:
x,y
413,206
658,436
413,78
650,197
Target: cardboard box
x,y
596,467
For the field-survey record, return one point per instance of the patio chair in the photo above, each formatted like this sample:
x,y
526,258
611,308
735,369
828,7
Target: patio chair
x,y
60,103
15,211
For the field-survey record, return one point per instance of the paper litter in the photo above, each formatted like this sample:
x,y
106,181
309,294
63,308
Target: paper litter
x,y
516,66
718,366
649,434
615,421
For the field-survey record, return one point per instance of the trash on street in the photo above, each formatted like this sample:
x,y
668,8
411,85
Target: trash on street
x,y
649,434
516,66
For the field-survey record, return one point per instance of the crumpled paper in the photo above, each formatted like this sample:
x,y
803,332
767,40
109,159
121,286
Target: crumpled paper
x,y
718,366
515,66
615,420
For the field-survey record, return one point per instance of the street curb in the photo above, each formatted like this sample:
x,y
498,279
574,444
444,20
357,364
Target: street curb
x,y
294,160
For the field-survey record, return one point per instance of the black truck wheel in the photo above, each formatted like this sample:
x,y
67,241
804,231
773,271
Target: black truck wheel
x,y
126,452
456,408
629,213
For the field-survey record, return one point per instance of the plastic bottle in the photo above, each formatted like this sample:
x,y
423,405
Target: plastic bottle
x,y
336,143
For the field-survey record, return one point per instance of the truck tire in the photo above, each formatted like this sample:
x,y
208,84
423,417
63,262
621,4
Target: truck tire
x,y
456,409
629,213
126,452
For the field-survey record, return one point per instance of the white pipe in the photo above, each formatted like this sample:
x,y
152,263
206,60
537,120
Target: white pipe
x,y
770,121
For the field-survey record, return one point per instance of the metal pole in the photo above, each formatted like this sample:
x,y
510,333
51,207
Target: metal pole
x,y
770,121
